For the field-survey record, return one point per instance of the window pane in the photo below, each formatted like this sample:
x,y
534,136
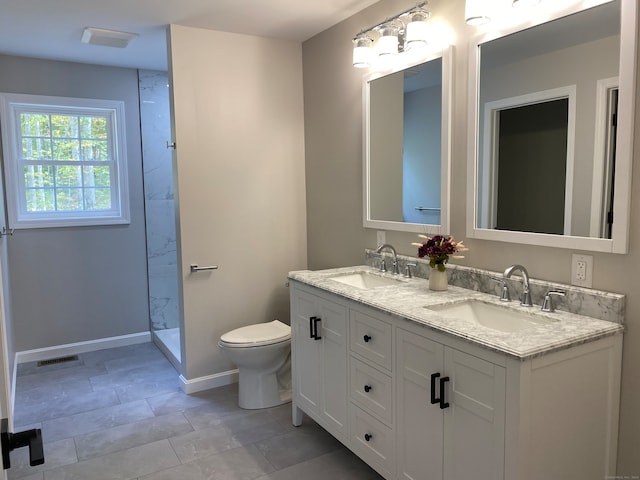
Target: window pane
x,y
34,124
38,176
97,176
94,150
64,126
68,176
93,127
69,199
66,150
97,198
40,200
36,149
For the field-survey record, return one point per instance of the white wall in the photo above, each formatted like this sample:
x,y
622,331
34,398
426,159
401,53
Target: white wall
x,y
76,284
239,166
333,141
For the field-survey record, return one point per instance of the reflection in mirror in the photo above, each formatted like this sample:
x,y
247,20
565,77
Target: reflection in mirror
x,y
406,150
546,104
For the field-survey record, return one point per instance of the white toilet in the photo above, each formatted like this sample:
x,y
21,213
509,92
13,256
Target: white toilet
x,y
262,353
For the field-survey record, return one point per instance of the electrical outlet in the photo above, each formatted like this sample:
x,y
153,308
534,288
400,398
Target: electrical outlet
x,y
582,270
381,237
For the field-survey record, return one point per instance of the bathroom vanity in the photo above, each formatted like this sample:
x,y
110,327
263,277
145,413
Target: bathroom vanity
x,y
456,384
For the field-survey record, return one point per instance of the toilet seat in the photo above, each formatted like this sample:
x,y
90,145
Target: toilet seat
x,y
256,335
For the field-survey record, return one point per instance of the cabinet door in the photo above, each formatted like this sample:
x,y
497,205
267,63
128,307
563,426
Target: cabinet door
x,y
305,353
333,365
419,423
474,421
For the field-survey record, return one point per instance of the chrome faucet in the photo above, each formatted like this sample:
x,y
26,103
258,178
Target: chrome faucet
x,y
525,298
396,269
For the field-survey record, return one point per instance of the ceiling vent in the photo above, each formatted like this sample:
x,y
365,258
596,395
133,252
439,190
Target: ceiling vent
x,y
107,38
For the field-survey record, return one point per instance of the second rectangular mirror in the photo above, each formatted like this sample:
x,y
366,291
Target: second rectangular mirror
x,y
551,124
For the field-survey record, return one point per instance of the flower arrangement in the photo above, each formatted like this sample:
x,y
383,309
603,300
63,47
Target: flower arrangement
x,y
439,248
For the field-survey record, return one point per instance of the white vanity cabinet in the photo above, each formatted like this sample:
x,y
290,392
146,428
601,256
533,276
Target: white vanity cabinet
x,y
450,412
416,403
319,360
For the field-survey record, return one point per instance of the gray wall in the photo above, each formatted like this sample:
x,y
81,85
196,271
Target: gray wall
x,y
77,284
333,143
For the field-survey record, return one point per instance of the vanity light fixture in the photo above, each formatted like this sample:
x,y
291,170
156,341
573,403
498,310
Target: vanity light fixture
x,y
476,12
394,35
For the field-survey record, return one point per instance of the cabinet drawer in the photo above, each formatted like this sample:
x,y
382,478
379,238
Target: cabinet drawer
x,y
372,390
373,441
371,338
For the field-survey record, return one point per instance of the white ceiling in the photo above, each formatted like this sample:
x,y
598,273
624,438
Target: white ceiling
x,y
52,28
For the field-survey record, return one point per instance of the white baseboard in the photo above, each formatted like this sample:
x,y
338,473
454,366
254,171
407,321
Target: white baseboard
x,y
210,381
81,347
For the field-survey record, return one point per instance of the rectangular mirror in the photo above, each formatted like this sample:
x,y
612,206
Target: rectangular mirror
x,y
552,127
407,146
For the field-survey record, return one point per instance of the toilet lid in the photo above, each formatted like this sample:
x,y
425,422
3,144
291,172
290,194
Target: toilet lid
x,y
258,334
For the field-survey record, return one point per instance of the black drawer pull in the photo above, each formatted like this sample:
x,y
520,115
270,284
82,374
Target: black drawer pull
x,y
368,437
443,404
367,388
311,319
434,399
367,338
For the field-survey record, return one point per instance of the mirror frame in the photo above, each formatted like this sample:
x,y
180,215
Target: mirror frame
x,y
446,54
624,138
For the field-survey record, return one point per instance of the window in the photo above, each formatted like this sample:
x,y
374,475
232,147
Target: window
x,y
64,161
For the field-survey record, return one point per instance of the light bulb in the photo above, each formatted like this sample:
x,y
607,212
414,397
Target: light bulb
x,y
475,14
362,51
417,31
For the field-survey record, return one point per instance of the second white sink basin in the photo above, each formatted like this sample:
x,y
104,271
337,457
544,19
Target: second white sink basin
x,y
365,280
493,316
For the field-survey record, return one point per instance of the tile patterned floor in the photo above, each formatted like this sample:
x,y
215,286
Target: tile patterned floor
x,y
119,414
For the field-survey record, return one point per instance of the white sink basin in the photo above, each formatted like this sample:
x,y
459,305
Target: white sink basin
x,y
493,316
365,280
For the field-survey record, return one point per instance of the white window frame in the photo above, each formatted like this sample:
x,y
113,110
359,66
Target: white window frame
x,y
11,105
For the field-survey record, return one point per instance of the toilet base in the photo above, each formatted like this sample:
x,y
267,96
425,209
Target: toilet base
x,y
257,391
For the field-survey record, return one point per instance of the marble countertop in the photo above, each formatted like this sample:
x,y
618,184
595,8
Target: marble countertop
x,y
411,298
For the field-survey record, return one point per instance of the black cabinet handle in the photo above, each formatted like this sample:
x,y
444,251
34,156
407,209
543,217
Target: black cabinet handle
x,y
368,437
443,404
434,399
367,338
314,329
367,388
311,323
28,438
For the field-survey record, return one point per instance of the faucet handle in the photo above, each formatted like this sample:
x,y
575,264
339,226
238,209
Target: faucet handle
x,y
407,269
547,304
504,289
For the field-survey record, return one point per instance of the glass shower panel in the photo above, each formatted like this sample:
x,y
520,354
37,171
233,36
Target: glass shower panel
x,y
159,212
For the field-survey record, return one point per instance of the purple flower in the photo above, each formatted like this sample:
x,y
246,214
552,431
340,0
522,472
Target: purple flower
x,y
438,248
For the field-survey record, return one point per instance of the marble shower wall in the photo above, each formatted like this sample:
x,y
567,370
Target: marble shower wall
x,y
159,203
